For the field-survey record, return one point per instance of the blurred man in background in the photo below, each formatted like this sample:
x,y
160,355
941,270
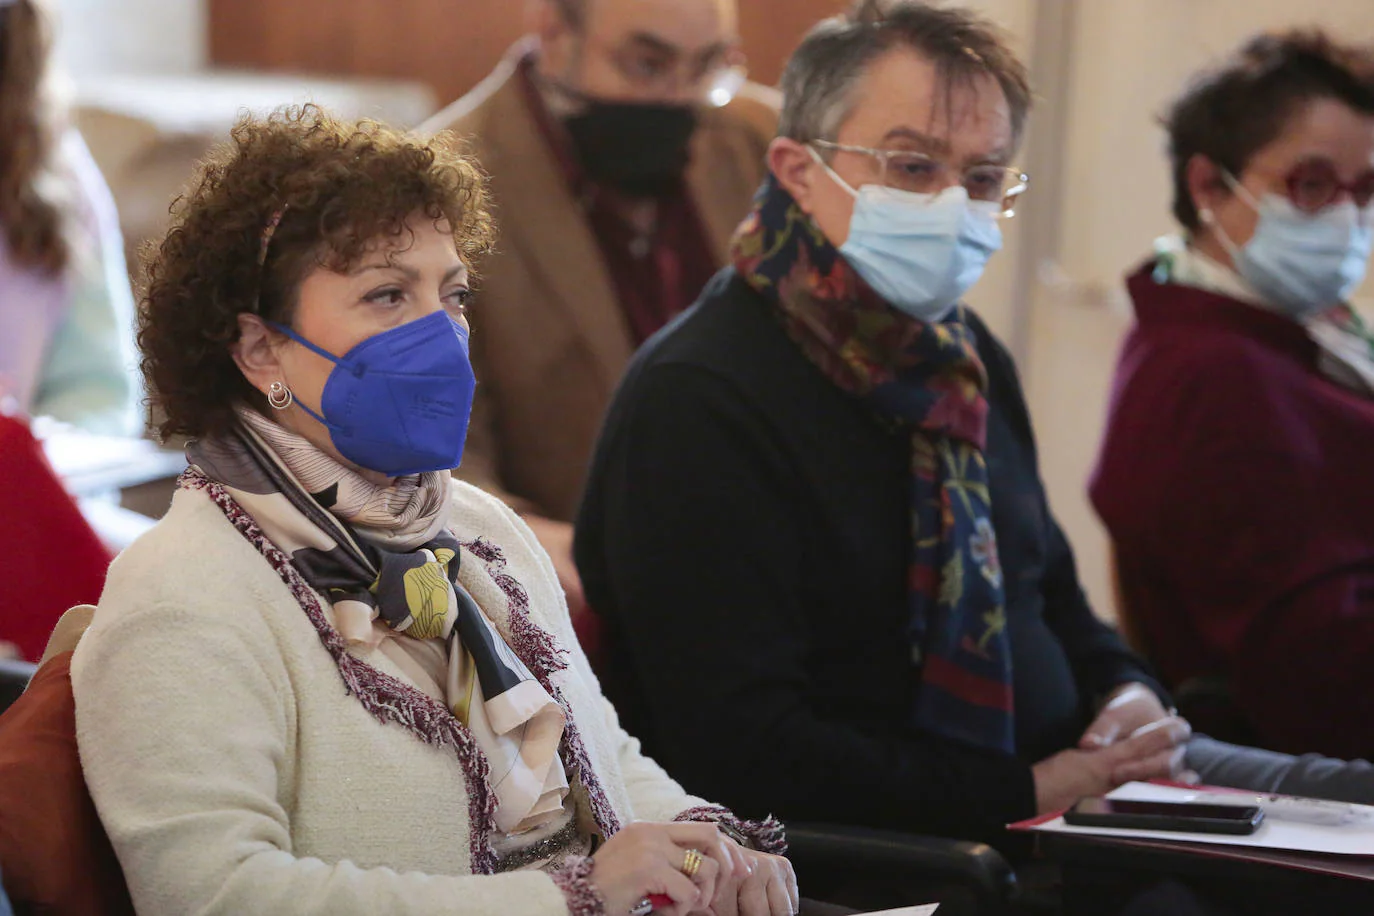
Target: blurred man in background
x,y
624,144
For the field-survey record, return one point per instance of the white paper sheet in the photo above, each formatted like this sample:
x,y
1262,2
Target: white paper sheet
x,y
1354,839
906,911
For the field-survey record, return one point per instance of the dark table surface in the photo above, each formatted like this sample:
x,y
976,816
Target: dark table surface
x,y
1105,875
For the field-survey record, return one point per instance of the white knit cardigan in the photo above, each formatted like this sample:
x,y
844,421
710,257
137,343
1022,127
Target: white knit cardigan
x,y
235,774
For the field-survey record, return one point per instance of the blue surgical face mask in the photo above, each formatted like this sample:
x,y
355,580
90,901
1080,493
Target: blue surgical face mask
x,y
399,402
1304,263
919,252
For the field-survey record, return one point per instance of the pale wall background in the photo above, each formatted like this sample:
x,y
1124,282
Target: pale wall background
x,y
132,36
1099,195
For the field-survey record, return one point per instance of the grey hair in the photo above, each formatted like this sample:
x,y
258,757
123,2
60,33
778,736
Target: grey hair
x,y
821,76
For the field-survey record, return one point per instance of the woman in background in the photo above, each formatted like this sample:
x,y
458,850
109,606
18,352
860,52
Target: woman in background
x,y
66,311
1234,476
332,679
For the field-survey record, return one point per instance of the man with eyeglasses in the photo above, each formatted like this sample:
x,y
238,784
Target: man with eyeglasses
x,y
814,526
623,143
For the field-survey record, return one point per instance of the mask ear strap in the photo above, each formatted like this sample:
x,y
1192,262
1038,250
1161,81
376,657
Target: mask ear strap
x,y
304,343
1239,189
1208,219
831,172
309,346
321,420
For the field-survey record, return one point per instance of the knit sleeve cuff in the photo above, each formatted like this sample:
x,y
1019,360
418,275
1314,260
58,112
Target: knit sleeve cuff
x,y
574,879
766,835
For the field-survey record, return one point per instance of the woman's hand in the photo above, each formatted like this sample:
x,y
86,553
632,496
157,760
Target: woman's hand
x,y
644,859
767,886
1128,709
1153,752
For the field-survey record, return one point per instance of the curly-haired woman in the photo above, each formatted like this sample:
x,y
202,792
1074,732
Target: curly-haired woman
x,y
332,679
66,311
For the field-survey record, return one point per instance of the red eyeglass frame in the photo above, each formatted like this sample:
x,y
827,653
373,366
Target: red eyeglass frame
x,y
1329,187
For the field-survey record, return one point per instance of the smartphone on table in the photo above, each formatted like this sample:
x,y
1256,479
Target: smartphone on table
x,y
1186,817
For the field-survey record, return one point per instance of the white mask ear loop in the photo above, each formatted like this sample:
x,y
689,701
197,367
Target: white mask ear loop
x,y
1239,189
831,172
1209,219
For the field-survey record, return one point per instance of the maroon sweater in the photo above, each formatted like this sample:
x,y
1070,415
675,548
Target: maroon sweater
x,y
1235,482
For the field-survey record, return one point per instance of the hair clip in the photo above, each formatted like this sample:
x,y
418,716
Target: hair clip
x,y
267,232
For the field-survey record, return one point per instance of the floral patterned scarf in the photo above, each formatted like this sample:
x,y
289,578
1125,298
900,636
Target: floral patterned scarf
x,y
926,379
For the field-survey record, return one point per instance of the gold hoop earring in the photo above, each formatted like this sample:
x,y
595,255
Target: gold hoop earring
x,y
279,396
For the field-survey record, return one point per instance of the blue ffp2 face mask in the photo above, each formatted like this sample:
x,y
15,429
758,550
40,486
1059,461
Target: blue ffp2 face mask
x,y
919,252
399,402
1304,263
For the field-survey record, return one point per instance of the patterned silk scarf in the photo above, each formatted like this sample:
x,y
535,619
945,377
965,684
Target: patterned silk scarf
x,y
926,379
388,564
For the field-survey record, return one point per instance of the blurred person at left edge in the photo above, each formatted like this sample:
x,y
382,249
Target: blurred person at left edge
x,y
624,145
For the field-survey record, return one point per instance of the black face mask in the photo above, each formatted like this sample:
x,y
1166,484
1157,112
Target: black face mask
x,y
634,148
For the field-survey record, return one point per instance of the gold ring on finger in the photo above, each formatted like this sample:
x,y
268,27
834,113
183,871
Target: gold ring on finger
x,y
691,863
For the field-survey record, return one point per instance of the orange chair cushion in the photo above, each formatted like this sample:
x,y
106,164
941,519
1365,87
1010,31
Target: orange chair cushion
x,y
54,855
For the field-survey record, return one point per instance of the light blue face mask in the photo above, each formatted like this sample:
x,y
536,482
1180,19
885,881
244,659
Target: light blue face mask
x,y
1304,263
919,252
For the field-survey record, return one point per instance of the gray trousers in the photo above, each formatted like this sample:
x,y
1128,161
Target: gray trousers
x,y
1311,775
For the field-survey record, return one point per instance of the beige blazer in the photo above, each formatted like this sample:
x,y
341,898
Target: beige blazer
x,y
549,340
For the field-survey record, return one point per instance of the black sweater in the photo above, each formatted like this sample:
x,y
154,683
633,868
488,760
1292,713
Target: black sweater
x,y
746,538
